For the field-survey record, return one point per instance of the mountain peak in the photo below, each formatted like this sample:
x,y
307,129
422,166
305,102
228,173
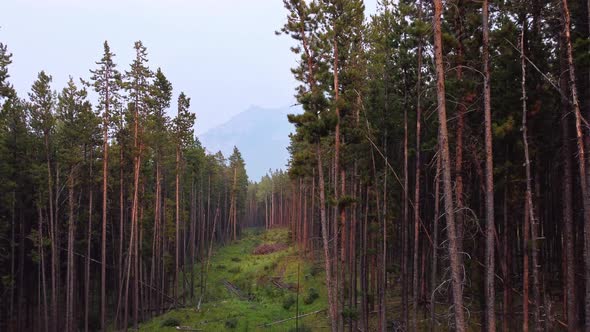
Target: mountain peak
x,y
261,134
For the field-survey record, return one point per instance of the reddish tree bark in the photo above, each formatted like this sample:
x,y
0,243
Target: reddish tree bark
x,y
456,280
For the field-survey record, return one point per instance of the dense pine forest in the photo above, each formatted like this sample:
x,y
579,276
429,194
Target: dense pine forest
x,y
438,180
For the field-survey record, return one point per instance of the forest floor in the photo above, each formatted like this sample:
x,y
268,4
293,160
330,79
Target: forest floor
x,y
251,285
253,292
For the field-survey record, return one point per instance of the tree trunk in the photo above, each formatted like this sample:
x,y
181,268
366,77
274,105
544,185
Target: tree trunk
x,y
337,194
435,245
70,263
581,155
405,211
105,170
177,203
42,279
456,280
567,211
489,196
529,196
54,249
506,314
234,203
121,217
525,274
461,110
88,247
331,296
382,289
417,181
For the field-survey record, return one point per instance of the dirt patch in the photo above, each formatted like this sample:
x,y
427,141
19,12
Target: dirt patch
x,y
269,248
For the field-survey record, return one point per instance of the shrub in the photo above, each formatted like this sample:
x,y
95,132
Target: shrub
x,y
236,259
231,323
170,322
349,313
315,270
235,269
288,302
312,295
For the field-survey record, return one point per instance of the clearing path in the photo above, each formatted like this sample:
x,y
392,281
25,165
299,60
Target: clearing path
x,y
252,286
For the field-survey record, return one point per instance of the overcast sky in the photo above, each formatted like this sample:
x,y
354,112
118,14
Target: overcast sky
x,y
222,53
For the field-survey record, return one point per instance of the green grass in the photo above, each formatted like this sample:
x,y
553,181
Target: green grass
x,y
223,311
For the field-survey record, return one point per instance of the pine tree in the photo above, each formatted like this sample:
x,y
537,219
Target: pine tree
x,y
41,105
106,82
137,84
160,97
6,89
72,109
456,280
183,136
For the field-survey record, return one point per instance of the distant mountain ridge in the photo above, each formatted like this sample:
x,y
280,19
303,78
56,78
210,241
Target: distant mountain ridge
x,y
261,135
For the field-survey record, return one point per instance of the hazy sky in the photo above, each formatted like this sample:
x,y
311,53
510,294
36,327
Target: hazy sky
x,y
222,53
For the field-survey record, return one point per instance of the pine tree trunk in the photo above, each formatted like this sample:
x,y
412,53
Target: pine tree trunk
x,y
461,110
506,314
581,154
12,262
405,217
177,203
105,170
456,280
567,209
70,263
331,296
305,222
54,249
433,277
42,279
417,181
131,252
272,205
525,274
489,196
234,192
343,237
382,289
156,238
121,217
337,194
88,247
57,238
529,196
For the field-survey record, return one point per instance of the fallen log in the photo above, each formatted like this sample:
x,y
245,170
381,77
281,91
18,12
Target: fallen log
x,y
187,328
288,319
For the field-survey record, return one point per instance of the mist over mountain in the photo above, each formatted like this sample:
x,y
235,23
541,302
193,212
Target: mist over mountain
x,y
261,135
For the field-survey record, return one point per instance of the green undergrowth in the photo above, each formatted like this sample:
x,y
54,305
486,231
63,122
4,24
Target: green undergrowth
x,y
261,301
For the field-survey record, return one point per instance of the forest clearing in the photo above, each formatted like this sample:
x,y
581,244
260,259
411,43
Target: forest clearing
x,y
262,290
